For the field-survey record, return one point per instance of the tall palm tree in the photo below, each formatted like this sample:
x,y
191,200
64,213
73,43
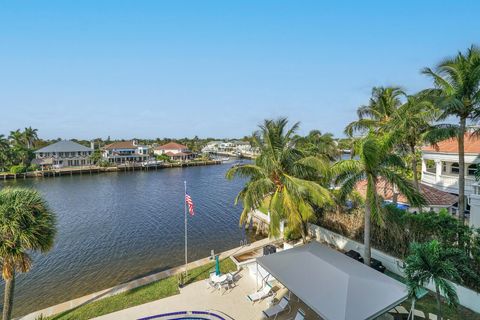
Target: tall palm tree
x,y
30,136
382,106
376,161
281,179
17,138
4,152
409,124
26,225
457,93
319,145
430,262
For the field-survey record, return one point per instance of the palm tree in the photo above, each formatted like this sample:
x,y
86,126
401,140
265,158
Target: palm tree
x,y
30,136
281,179
319,145
17,138
409,124
26,225
382,106
4,152
376,161
457,93
431,262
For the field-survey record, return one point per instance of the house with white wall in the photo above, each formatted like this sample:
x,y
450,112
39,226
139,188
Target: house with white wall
x,y
125,152
176,151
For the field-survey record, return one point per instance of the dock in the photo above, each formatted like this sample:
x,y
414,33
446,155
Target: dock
x,y
81,170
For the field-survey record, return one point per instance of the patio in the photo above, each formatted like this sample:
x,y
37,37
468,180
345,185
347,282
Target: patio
x,y
233,304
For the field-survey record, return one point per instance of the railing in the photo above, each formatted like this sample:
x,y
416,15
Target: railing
x,y
448,183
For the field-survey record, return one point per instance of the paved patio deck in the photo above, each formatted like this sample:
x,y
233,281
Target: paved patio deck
x,y
197,296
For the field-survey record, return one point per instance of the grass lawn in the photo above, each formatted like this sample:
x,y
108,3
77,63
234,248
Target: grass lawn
x,y
150,292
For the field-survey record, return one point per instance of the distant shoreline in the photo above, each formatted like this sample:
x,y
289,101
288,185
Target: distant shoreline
x,y
96,169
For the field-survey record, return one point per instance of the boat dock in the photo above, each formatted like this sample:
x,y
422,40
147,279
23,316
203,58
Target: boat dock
x,y
70,171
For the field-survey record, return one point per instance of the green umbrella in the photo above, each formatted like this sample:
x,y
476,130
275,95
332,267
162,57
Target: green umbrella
x,y
217,266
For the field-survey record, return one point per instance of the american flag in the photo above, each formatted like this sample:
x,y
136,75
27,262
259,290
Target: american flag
x,y
189,202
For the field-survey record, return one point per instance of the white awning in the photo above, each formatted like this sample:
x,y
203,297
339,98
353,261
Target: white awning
x,y
333,285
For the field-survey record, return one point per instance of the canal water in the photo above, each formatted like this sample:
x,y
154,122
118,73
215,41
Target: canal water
x,y
115,227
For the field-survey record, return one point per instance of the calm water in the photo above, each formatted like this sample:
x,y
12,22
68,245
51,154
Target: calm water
x,y
116,227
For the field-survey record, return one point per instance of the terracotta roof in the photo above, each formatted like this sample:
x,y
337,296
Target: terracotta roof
x,y
178,154
472,145
433,197
121,145
172,146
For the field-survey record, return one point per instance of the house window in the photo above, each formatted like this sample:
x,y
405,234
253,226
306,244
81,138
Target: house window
x,y
472,169
455,168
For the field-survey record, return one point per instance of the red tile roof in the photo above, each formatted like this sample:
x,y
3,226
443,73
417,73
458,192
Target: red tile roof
x,y
178,154
472,145
172,146
121,145
433,197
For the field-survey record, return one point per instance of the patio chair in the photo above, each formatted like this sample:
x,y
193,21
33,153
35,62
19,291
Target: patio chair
x,y
278,308
266,291
300,315
418,314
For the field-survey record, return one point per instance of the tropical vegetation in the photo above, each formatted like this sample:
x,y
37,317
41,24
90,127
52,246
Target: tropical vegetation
x,y
284,178
26,225
376,162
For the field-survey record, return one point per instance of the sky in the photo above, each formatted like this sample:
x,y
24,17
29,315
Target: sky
x,y
147,69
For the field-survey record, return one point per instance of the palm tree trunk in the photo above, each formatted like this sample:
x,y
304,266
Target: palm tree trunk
x,y
366,233
304,232
414,168
8,298
439,302
461,167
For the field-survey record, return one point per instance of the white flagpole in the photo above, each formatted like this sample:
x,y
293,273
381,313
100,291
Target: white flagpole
x,y
185,200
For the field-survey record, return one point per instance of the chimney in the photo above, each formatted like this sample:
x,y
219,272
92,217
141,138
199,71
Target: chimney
x,y
92,144
135,142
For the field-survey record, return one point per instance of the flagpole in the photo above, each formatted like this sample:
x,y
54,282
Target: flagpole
x,y
185,203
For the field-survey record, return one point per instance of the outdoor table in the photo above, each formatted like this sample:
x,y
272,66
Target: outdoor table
x,y
218,279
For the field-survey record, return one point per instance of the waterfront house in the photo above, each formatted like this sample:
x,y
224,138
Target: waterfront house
x,y
440,167
125,152
435,199
64,153
176,151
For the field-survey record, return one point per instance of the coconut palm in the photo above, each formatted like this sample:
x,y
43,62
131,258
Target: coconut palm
x,y
376,161
26,225
431,262
457,94
4,152
382,106
282,179
319,145
409,124
30,136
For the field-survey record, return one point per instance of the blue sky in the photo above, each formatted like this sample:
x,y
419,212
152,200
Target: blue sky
x,y
150,69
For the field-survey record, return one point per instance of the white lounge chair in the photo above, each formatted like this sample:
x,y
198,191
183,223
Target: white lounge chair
x,y
278,308
266,291
300,315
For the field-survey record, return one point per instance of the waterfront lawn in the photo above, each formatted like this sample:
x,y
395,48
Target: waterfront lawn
x,y
147,293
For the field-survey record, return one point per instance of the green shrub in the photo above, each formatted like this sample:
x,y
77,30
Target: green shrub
x,y
18,169
291,234
33,167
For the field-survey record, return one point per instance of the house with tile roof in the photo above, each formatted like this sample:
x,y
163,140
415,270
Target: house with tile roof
x,y
435,199
440,167
64,153
176,151
124,152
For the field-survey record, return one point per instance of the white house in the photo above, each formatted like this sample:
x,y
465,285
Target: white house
x,y
175,151
125,152
63,153
440,164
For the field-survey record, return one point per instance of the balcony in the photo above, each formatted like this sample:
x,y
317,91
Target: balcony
x,y
447,182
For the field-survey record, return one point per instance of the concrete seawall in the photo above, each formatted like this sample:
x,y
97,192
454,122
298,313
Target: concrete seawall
x,y
68,305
